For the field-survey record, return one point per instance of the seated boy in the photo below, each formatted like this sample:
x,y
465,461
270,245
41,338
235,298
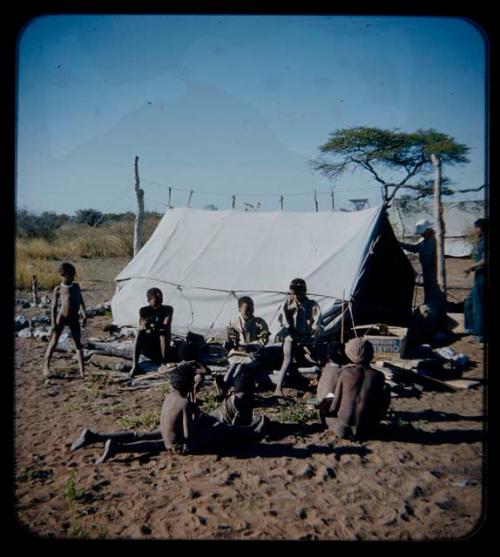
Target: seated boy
x,y
70,296
154,335
353,399
301,323
183,429
247,335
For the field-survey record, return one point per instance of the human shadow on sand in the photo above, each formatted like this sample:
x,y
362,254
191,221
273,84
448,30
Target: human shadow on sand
x,y
409,434
433,416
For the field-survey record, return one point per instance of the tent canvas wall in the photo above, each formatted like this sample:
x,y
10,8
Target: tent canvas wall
x,y
204,260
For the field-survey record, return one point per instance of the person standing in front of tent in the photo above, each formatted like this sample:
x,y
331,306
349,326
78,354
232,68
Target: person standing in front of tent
x,y
427,254
353,399
474,304
302,324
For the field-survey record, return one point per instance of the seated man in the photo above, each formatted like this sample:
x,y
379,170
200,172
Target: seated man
x,y
153,337
237,408
247,335
183,429
353,399
301,323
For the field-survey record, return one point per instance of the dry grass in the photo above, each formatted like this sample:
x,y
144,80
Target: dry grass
x,y
41,257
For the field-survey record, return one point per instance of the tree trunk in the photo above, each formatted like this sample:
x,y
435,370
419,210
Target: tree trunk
x,y
139,217
440,229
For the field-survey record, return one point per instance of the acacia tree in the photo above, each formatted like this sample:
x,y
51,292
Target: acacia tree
x,y
395,159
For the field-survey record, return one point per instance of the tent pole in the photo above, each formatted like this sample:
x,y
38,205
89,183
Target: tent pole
x,y
342,319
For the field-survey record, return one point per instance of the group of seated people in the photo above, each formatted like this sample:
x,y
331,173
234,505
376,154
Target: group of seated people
x,y
352,398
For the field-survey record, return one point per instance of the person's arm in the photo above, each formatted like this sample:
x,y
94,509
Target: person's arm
x,y
478,265
263,332
413,248
53,311
164,332
84,311
142,321
317,323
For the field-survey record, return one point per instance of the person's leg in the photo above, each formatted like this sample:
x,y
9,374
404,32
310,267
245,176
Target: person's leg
x,y
50,349
478,308
469,313
89,437
140,340
230,374
287,365
76,334
113,447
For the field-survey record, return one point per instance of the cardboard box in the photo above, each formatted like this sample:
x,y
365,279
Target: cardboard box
x,y
391,345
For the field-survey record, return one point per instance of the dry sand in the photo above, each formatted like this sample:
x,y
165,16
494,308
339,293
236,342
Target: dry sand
x,y
421,482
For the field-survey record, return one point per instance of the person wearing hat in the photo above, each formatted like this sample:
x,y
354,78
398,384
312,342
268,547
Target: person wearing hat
x,y
353,399
474,303
427,254
301,322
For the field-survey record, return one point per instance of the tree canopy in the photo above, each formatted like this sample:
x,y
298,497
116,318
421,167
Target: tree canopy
x,y
390,152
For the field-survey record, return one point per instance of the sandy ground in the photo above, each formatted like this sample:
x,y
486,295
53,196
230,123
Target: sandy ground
x,y
423,480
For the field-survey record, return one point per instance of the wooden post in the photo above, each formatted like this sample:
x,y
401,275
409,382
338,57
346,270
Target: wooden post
x,y
190,197
34,289
281,202
440,228
332,195
234,202
139,217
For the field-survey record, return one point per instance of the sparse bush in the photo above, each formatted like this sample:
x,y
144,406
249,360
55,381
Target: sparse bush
x,y
149,420
71,491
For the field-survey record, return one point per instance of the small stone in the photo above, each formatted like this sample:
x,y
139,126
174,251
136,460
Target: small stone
x,y
302,514
309,471
445,505
145,530
329,473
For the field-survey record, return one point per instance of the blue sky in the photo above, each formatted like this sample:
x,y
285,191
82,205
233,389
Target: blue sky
x,y
232,104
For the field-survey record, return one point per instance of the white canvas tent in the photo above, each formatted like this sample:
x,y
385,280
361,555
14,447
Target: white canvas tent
x,y
204,260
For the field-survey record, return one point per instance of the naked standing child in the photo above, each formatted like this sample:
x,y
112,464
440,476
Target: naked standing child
x,y
70,296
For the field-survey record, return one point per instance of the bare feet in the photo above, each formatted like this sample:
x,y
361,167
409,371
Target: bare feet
x,y
134,371
87,437
109,451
